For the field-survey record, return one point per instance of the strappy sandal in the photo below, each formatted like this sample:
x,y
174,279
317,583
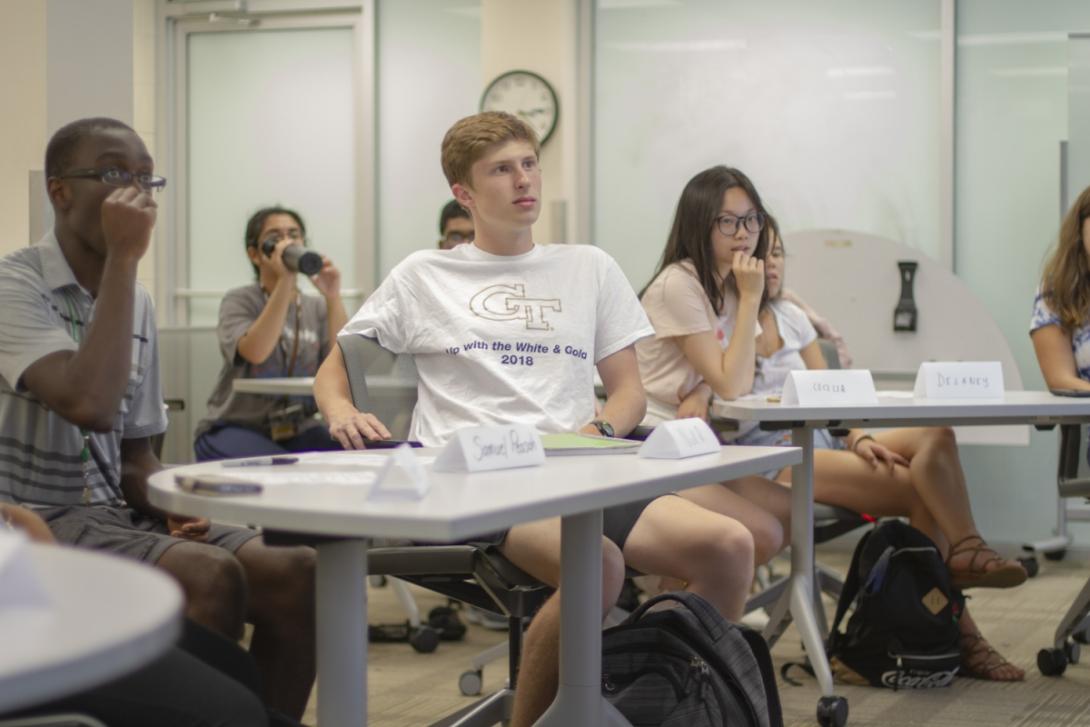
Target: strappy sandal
x,y
1007,574
979,660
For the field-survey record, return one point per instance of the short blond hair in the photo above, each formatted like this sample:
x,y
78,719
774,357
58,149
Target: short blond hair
x,y
472,137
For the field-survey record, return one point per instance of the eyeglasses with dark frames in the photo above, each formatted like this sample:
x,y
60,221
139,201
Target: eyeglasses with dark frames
x,y
118,178
728,224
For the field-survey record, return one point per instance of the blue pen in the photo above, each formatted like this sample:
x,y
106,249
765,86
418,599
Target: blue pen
x,y
261,461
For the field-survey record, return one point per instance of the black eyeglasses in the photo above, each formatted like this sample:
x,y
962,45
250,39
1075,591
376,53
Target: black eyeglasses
x,y
118,178
728,224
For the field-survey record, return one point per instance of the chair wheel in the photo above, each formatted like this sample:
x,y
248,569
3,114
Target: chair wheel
x,y
424,639
1031,565
1072,650
1056,554
470,683
832,711
1051,662
1081,636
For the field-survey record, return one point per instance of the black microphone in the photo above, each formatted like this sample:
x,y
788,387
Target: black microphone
x,y
296,257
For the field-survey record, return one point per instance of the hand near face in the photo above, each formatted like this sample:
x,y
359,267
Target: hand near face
x,y
274,263
328,279
749,275
128,217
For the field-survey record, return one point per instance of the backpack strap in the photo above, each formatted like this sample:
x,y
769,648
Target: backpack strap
x,y
705,613
851,584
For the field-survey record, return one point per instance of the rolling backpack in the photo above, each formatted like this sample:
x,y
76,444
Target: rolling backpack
x,y
903,630
688,667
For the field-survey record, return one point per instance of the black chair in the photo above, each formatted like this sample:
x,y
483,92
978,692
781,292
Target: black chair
x,y
478,576
1073,628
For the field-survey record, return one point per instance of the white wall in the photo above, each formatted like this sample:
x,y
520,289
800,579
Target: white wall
x,y
22,123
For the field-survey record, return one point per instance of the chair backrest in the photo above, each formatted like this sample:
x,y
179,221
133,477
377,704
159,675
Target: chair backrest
x,y
382,383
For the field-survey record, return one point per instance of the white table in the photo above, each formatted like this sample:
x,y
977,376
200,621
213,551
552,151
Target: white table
x,y
107,617
460,506
1016,407
304,385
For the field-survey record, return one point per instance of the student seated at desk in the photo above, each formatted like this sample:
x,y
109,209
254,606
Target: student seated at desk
x,y
1060,327
722,328
455,226
574,310
270,329
80,399
204,680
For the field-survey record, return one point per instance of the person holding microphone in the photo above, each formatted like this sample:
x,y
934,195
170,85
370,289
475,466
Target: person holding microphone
x,y
270,329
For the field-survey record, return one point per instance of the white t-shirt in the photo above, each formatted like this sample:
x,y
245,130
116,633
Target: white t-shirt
x,y
502,339
797,333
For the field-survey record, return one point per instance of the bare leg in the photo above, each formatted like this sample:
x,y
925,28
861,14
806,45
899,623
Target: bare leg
x,y
936,474
282,611
711,553
535,548
214,584
761,505
845,479
979,660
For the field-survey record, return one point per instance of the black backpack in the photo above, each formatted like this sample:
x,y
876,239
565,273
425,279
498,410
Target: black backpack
x,y
903,631
688,667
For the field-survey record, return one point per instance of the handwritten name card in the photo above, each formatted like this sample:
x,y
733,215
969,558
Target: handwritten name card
x,y
959,380
478,449
680,438
829,387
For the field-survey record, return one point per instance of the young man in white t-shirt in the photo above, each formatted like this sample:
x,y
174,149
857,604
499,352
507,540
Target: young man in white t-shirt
x,y
503,330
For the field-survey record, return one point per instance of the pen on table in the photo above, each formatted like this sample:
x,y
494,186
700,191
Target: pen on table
x,y
261,461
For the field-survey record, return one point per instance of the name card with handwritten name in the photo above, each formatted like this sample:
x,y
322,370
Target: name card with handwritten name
x,y
402,477
19,585
959,380
680,438
828,387
477,449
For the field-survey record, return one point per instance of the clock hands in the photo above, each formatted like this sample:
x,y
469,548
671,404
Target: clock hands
x,y
533,112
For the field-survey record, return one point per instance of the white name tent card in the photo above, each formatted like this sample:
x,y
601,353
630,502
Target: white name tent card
x,y
680,438
478,449
403,476
827,387
959,380
19,586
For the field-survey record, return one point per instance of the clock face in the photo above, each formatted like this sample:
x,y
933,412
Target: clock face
x,y
527,96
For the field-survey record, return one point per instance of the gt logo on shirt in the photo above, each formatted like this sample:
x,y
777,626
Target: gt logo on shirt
x,y
509,302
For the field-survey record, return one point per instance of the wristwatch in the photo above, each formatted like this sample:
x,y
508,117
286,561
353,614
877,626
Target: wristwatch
x,y
603,427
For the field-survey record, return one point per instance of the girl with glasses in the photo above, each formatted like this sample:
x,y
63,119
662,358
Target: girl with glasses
x,y
723,328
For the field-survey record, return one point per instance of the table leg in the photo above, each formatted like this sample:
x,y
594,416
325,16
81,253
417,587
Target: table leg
x,y
579,697
342,633
802,558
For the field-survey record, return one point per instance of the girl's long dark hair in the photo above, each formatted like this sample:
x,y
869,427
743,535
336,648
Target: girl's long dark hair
x,y
690,238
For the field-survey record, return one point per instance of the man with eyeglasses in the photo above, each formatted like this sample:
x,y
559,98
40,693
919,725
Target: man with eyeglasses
x,y
80,400
455,226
